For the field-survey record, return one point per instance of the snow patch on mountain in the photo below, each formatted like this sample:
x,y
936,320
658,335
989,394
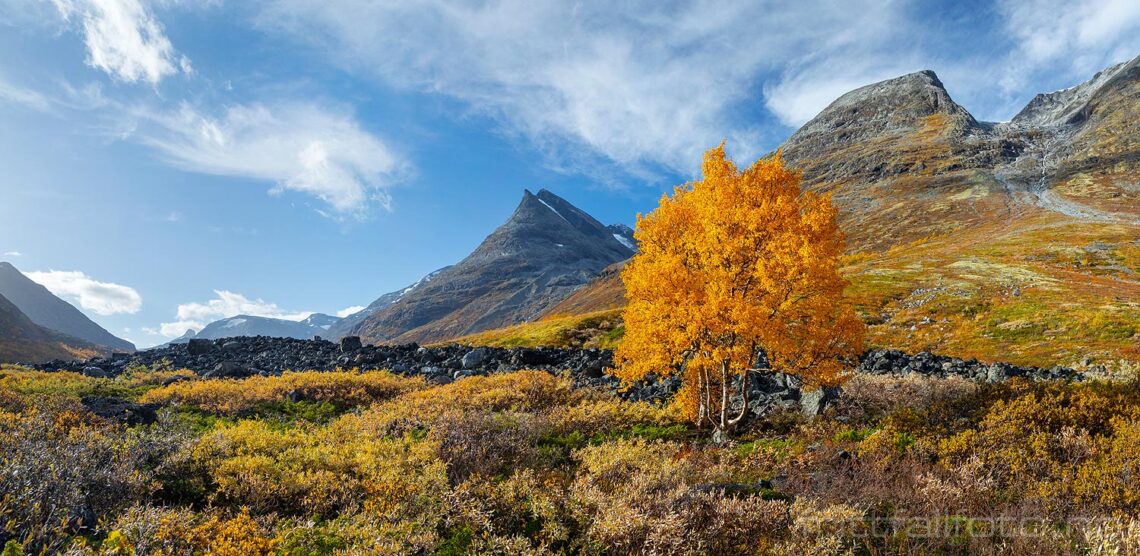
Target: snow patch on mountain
x,y
625,241
553,209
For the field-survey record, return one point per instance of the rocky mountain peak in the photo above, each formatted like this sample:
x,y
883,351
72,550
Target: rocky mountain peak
x,y
1071,105
546,224
897,105
546,249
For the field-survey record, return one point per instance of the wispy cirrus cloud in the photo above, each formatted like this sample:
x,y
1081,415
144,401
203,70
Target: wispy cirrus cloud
x,y
298,146
638,84
102,298
196,315
1074,37
10,93
645,84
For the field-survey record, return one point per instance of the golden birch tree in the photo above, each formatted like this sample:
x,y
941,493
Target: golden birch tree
x,y
732,265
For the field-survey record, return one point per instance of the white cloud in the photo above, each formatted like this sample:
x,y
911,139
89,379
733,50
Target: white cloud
x,y
649,83
638,84
103,298
124,39
13,254
196,315
1075,38
349,310
300,147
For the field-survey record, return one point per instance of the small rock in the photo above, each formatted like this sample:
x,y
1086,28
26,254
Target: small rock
x,y
94,372
350,344
199,346
814,402
440,379
474,358
226,369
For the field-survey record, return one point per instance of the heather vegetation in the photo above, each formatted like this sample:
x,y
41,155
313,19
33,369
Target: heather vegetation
x,y
525,463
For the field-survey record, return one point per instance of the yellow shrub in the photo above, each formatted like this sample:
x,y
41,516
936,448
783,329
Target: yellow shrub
x,y
1110,479
592,417
523,391
660,497
233,397
821,529
398,483
1036,441
177,531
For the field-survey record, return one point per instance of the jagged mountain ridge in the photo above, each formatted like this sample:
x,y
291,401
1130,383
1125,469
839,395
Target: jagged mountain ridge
x,y
49,311
904,161
1016,240
547,249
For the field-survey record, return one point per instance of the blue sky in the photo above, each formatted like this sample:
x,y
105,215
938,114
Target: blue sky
x,y
171,162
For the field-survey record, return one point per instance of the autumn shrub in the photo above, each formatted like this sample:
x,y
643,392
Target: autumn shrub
x,y
289,471
661,497
61,470
398,484
63,384
534,392
816,528
1112,537
176,531
605,414
487,444
1035,442
237,397
1110,468
870,397
531,507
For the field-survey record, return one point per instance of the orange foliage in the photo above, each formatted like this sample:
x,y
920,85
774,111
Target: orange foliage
x,y
734,263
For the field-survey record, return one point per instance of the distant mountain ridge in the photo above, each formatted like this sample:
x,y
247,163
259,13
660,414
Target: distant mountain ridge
x,y
249,325
345,326
545,251
49,311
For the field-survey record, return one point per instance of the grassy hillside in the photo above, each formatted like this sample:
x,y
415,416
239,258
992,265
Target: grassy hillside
x,y
1041,291
595,329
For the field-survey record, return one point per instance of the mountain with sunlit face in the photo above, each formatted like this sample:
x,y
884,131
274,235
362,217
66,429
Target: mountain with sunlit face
x,y
1017,240
546,250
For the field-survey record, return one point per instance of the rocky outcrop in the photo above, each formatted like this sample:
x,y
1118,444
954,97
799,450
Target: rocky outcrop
x,y
249,356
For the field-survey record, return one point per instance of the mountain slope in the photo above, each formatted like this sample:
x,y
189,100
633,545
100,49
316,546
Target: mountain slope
x,y
1017,241
247,325
345,326
546,250
22,340
49,311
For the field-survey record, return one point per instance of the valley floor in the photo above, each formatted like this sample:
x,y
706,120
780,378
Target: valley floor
x,y
527,463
